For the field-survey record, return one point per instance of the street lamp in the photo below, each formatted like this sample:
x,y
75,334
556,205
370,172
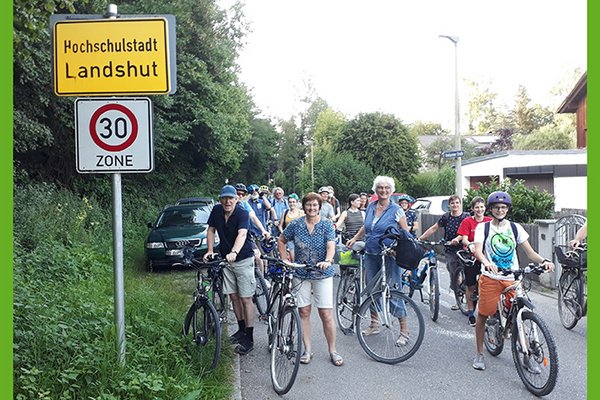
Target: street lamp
x,y
458,166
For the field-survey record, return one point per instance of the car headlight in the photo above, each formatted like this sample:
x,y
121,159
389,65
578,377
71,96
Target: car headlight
x,y
155,245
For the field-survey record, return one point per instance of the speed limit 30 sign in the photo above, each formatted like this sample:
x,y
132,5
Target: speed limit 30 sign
x,y
113,135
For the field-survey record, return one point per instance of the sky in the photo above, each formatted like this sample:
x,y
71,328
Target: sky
x,y
387,56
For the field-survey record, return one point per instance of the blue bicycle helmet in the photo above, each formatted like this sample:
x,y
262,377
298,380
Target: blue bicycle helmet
x,y
406,197
253,188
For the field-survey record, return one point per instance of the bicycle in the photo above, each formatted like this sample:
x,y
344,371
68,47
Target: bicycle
x,y
572,295
347,299
393,338
261,294
284,329
203,316
533,347
467,260
414,280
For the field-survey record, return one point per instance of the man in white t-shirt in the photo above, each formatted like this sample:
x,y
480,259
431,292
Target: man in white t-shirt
x,y
497,252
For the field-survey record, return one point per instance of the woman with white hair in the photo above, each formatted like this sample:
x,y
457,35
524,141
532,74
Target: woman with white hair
x,y
379,216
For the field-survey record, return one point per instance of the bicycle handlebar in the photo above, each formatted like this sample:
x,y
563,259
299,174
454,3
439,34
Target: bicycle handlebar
x,y
531,268
290,264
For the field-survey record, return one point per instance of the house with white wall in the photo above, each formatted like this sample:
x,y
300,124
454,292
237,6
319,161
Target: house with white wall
x,y
562,173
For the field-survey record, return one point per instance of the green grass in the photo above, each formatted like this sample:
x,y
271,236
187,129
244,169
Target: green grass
x,y
64,333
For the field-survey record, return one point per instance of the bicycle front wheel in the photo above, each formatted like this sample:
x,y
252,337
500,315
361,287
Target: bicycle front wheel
x,y
261,293
202,321
345,303
389,326
569,309
434,293
286,350
460,294
538,364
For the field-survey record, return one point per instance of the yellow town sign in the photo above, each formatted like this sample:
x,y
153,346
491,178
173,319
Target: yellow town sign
x,y
97,57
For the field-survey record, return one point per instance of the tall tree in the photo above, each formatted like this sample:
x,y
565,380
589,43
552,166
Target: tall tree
x,y
383,142
527,117
420,128
290,156
484,112
259,161
328,128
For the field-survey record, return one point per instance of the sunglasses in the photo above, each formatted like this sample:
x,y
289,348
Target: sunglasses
x,y
241,193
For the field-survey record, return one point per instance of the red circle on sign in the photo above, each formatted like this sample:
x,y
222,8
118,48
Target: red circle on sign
x,y
124,110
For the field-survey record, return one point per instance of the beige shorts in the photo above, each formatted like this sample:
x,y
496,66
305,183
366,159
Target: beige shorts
x,y
239,278
321,290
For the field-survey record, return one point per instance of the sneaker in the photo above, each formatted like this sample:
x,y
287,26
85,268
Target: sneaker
x,y
531,366
479,362
472,320
237,337
371,330
245,346
455,307
402,339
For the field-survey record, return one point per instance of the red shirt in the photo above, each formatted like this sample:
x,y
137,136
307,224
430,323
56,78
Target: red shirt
x,y
467,227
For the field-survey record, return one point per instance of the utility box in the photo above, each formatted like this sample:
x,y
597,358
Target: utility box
x,y
546,249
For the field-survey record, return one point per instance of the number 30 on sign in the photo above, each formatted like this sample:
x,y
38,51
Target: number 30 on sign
x,y
114,135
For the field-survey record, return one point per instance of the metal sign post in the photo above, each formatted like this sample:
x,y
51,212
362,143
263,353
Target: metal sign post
x,y
102,55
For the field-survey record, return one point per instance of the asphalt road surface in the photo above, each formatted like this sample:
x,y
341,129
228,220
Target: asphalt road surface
x,y
441,369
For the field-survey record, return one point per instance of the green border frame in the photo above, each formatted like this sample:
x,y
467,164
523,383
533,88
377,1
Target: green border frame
x,y
6,221
593,165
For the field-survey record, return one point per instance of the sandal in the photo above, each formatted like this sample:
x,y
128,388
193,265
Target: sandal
x,y
336,359
306,357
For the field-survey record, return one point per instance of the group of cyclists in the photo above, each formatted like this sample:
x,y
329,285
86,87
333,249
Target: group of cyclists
x,y
306,234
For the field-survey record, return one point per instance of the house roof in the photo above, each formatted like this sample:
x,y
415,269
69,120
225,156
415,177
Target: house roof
x,y
570,103
521,152
426,140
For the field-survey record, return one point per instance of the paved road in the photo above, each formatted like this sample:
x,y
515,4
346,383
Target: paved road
x,y
440,369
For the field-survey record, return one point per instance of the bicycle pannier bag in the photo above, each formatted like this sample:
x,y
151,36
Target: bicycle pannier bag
x,y
409,251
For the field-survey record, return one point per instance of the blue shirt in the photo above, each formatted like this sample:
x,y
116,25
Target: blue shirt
x,y
228,232
258,206
375,227
279,206
310,248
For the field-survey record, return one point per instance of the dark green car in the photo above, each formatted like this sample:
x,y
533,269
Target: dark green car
x,y
176,227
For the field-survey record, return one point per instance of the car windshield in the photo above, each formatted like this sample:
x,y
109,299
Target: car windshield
x,y
184,216
420,204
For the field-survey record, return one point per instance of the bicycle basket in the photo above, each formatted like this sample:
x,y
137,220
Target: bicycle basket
x,y
570,259
409,251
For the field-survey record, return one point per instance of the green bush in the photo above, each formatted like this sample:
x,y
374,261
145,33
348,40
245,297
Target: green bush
x,y
430,183
527,204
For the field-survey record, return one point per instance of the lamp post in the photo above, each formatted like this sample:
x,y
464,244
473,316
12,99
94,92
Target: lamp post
x,y
458,161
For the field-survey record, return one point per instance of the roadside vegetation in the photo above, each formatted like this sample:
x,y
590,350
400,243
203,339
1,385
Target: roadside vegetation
x,y
64,338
